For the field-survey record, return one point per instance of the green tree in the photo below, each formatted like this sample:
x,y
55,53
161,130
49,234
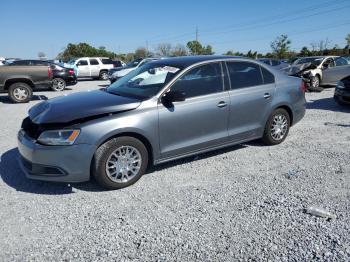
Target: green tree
x,y
196,48
251,54
83,49
281,46
141,52
305,52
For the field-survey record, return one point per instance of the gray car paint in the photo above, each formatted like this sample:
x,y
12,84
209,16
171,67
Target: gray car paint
x,y
193,126
331,76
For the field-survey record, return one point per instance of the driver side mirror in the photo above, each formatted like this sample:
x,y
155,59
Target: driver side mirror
x,y
174,96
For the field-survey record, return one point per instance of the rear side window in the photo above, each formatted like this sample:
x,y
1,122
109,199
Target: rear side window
x,y
93,62
117,63
106,61
268,77
244,74
202,80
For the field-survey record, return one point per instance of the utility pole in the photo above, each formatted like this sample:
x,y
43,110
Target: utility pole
x,y
146,48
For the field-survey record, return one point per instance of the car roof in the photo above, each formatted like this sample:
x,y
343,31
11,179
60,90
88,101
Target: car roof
x,y
185,61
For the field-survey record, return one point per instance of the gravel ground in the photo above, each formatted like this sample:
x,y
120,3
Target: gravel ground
x,y
241,203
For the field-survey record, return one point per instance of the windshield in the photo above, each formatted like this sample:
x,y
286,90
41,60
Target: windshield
x,y
72,62
144,82
314,60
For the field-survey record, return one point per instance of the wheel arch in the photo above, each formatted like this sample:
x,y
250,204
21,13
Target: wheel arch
x,y
11,81
136,135
289,111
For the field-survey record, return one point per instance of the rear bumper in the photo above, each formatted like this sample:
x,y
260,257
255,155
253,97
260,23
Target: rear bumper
x,y
70,81
54,163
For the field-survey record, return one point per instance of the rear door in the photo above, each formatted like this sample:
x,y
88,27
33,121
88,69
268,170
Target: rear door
x,y
94,67
252,89
200,121
83,68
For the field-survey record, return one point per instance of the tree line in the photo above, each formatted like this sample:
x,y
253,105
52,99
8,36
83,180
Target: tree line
x,y
280,49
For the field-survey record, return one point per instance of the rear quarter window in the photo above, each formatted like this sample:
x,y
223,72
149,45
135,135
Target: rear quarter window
x,y
106,61
268,77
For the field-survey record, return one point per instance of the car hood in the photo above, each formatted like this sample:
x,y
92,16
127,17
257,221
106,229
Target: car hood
x,y
123,72
77,106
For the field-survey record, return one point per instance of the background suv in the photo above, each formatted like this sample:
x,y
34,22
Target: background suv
x,y
94,67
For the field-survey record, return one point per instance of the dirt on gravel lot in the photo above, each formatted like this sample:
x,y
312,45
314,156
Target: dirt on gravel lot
x,y
241,203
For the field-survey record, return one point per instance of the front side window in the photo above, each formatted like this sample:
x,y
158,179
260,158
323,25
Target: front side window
x,y
244,74
340,61
202,80
83,63
93,62
144,82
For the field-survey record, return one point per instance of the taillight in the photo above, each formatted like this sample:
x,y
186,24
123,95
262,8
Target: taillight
x,y
49,73
71,72
303,86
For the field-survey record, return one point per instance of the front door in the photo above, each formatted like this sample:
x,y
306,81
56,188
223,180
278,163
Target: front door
x,y
83,68
94,67
200,121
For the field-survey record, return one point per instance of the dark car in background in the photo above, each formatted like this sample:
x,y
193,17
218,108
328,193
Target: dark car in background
x,y
342,91
61,76
20,81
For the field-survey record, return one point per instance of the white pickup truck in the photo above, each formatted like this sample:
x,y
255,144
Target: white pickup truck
x,y
92,67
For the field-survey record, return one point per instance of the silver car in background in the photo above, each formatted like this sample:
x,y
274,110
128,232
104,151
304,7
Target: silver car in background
x,y
164,110
331,75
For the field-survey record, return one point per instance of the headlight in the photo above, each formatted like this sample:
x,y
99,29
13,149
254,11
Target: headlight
x,y
59,137
340,85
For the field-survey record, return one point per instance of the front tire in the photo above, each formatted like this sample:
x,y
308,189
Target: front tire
x,y
120,162
58,84
315,84
20,92
277,127
103,75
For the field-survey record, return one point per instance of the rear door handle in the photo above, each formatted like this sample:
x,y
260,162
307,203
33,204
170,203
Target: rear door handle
x,y
267,95
222,104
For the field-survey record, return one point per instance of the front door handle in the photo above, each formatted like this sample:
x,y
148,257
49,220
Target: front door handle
x,y
222,104
267,95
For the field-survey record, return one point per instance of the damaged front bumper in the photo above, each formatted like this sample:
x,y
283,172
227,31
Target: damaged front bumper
x,y
54,163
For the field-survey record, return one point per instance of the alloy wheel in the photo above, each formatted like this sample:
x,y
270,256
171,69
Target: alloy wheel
x,y
279,127
20,93
123,164
58,84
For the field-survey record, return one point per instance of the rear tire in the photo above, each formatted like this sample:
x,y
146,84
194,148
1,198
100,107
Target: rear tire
x,y
277,127
103,75
120,162
58,84
20,92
